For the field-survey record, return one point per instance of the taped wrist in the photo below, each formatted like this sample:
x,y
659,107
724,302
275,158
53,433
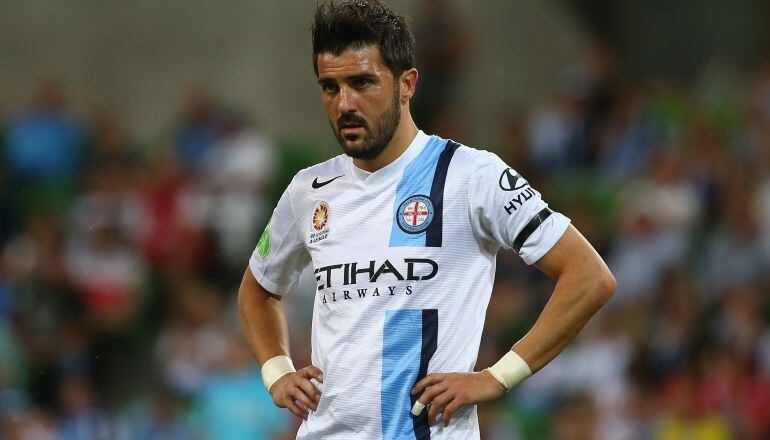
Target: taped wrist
x,y
275,368
510,370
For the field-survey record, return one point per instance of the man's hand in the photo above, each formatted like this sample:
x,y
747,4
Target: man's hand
x,y
448,392
294,389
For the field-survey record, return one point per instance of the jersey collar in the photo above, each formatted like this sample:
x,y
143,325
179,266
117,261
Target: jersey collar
x,y
394,168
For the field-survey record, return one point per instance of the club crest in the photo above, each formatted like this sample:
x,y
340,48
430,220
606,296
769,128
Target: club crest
x,y
415,214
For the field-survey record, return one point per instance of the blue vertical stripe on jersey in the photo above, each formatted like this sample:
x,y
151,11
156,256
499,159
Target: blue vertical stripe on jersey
x,y
429,344
401,356
417,178
434,233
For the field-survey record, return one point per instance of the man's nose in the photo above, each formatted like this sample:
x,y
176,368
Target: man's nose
x,y
346,102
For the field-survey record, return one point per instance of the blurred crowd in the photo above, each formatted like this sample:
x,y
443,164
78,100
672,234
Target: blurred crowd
x,y
671,184
120,260
119,267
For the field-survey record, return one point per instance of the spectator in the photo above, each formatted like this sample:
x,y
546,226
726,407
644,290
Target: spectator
x,y
235,173
83,419
193,342
233,404
44,141
155,418
43,151
197,129
658,214
107,274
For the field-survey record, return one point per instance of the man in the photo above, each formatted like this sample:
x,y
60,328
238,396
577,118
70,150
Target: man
x,y
402,232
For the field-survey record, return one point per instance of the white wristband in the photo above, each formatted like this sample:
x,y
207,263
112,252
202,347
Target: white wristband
x,y
275,368
510,370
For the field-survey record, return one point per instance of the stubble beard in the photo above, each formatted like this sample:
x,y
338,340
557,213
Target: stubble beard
x,y
376,138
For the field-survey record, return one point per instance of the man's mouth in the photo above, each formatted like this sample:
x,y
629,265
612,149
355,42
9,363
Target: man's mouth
x,y
351,129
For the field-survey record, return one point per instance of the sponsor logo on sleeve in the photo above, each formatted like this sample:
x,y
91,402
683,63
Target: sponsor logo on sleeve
x,y
513,182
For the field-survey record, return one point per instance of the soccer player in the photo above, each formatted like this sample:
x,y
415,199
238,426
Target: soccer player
x,y
402,232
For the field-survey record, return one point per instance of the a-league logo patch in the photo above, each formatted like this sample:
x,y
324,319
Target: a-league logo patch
x,y
415,214
320,222
320,215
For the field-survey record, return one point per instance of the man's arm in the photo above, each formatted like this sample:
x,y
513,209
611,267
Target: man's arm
x,y
264,324
583,285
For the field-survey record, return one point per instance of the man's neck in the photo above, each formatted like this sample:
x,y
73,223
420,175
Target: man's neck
x,y
402,138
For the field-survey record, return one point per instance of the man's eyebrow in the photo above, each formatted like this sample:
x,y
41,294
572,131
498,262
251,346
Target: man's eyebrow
x,y
358,76
361,76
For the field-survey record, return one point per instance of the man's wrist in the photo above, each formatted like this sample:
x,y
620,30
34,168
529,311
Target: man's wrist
x,y
275,368
510,370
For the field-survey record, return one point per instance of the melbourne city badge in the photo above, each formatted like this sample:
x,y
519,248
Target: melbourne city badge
x,y
415,214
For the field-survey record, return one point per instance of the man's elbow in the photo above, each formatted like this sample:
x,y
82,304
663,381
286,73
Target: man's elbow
x,y
604,286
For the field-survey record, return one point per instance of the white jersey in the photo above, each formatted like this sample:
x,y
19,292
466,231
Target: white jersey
x,y
404,260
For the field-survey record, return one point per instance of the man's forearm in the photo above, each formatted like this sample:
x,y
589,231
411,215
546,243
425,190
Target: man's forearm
x,y
263,320
577,297
264,323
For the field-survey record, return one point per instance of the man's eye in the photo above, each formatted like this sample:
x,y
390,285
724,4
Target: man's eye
x,y
362,82
329,88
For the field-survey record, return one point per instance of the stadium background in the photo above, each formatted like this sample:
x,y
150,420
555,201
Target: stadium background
x,y
143,145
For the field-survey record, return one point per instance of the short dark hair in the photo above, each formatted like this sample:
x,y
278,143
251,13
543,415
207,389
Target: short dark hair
x,y
360,23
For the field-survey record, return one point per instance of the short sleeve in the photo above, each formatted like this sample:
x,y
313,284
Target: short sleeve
x,y
280,255
505,210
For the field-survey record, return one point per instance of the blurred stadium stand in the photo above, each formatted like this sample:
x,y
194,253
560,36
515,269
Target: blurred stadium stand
x,y
143,145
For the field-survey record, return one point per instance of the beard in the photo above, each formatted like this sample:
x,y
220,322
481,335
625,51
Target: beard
x,y
375,138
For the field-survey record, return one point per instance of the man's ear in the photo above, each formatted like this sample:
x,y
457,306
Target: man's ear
x,y
408,83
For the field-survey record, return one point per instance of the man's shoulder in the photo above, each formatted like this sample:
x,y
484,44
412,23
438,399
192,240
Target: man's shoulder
x,y
320,174
471,158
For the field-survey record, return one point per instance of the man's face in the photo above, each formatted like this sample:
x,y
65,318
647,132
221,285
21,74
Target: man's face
x,y
361,97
